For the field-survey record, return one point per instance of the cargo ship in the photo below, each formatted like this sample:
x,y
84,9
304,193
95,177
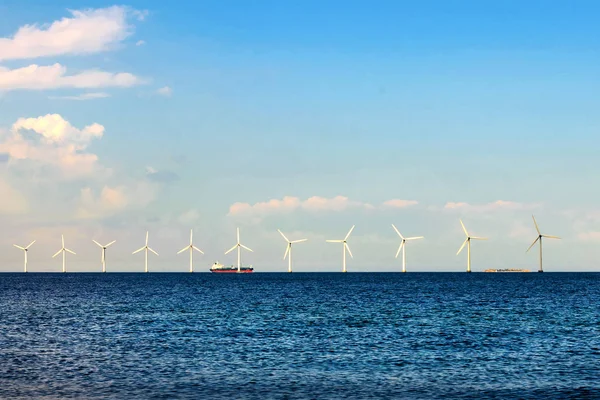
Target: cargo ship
x,y
225,269
507,270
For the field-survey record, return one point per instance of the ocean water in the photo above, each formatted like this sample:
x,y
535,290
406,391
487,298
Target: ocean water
x,y
297,336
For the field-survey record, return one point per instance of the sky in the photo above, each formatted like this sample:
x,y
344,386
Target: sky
x,y
304,116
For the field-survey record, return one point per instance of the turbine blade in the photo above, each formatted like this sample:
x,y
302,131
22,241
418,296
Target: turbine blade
x,y
231,249
30,244
399,248
532,244
146,238
111,243
537,228
349,232
57,253
463,226
287,250
299,241
182,250
550,237
247,248
152,251
397,231
479,238
191,235
19,247
62,237
97,243
138,250
462,247
238,234
348,248
335,241
415,238
281,233
197,249
70,251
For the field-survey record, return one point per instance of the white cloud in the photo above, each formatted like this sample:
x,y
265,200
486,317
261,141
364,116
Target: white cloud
x,y
50,140
140,43
86,31
591,236
189,216
165,91
398,203
290,203
140,15
12,201
499,205
83,96
110,201
35,77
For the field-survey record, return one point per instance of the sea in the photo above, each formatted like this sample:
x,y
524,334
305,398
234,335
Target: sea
x,y
300,336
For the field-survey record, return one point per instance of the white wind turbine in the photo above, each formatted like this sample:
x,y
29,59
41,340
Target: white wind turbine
x,y
288,249
403,246
468,243
540,236
104,253
146,248
64,250
344,248
25,249
239,251
191,248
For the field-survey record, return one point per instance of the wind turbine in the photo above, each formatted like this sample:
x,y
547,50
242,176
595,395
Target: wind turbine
x,y
540,236
403,246
103,253
344,248
191,247
146,248
64,250
25,249
239,251
468,243
288,249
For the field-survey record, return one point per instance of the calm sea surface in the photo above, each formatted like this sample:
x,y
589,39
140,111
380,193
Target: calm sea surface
x,y
288,336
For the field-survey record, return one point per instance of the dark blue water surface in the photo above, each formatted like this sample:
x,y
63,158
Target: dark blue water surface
x,y
288,336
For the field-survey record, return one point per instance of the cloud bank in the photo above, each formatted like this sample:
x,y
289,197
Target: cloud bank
x,y
35,77
84,32
50,140
498,205
314,204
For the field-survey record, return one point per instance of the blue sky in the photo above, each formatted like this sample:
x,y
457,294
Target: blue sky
x,y
460,109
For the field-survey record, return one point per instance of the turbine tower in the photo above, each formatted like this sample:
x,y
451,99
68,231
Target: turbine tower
x,y
403,246
146,248
344,248
239,251
288,249
25,249
468,243
63,250
191,248
104,253
539,237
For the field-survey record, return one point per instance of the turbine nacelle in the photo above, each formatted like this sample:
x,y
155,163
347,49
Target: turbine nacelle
x,y
288,248
539,238
191,248
239,246
345,247
146,248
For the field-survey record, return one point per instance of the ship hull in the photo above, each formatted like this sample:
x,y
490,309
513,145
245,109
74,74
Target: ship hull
x,y
231,271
